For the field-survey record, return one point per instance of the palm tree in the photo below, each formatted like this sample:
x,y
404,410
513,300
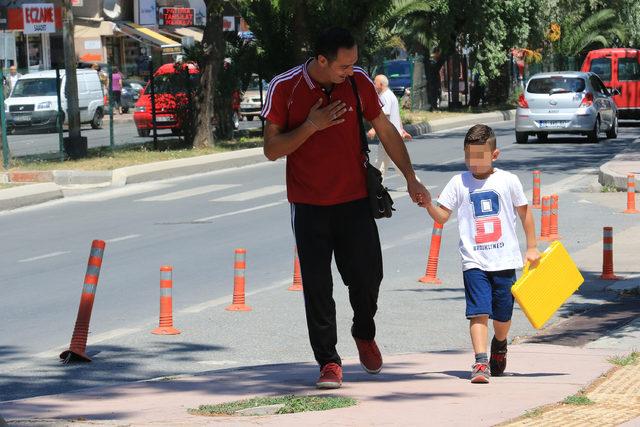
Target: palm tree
x,y
601,29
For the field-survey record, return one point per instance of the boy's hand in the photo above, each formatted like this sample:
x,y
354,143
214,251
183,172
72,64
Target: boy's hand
x,y
371,134
532,256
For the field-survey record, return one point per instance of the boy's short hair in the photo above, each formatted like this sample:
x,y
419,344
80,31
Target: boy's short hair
x,y
480,135
331,40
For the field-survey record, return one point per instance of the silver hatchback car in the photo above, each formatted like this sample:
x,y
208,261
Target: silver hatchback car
x,y
566,102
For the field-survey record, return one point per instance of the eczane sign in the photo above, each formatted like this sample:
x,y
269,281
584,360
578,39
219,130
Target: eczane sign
x,y
38,18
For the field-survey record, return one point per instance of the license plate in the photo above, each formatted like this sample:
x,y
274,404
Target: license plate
x,y
245,105
553,123
164,119
22,118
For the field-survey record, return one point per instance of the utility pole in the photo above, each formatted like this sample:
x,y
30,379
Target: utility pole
x,y
75,144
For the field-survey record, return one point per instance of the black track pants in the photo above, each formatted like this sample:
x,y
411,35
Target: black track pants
x,y
349,232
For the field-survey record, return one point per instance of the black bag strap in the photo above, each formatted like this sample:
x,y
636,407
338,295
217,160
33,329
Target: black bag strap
x,y
363,135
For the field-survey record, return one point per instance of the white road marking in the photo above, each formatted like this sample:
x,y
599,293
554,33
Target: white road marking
x,y
119,192
51,255
255,208
253,194
120,239
183,194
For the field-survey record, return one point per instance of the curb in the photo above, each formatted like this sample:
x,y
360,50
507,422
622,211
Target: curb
x,y
424,128
32,194
630,284
51,181
610,173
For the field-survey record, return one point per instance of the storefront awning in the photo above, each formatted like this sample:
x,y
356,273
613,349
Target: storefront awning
x,y
189,32
97,29
147,35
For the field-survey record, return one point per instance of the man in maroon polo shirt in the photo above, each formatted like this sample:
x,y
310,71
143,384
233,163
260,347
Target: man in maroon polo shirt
x,y
312,119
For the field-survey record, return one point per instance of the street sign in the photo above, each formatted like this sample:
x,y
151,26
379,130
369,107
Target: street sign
x,y
228,23
176,16
38,18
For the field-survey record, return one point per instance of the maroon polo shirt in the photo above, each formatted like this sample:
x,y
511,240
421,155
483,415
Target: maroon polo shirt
x,y
327,168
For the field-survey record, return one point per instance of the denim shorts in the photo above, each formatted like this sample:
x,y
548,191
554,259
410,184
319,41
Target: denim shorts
x,y
489,293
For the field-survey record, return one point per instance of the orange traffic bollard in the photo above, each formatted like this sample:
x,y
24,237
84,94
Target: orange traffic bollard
x,y
607,255
430,276
240,264
536,190
166,303
553,218
544,219
631,195
297,275
76,351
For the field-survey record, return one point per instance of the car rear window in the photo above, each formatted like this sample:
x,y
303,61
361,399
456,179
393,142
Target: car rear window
x,y
556,84
602,67
628,69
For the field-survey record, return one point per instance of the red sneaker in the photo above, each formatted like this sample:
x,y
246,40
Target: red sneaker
x,y
480,373
330,376
370,357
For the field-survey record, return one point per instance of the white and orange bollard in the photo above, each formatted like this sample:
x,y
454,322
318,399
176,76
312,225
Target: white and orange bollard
x,y
631,195
536,190
240,265
297,275
553,218
607,255
165,326
430,276
77,349
544,218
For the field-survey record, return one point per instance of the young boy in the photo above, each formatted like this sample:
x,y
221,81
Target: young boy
x,y
486,200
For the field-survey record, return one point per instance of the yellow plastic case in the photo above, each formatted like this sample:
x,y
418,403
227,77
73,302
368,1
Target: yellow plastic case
x,y
543,289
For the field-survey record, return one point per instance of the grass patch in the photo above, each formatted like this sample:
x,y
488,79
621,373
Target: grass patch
x,y
608,189
630,359
292,404
533,413
103,158
578,399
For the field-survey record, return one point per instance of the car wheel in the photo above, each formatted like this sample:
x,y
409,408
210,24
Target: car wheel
x,y
96,122
593,136
176,131
250,118
613,132
543,137
522,137
125,110
144,132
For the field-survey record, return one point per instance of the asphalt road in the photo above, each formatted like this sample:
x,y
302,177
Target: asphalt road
x,y
26,142
195,223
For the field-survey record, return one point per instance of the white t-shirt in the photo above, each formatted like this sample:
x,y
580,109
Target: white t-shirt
x,y
391,108
486,219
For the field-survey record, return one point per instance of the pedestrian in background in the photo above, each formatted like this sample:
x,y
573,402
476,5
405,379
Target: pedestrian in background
x,y
14,75
116,88
487,201
312,119
391,109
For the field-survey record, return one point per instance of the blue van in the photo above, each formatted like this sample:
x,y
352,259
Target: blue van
x,y
399,73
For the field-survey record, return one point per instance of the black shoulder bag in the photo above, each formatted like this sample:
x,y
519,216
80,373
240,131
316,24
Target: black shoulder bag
x,y
379,199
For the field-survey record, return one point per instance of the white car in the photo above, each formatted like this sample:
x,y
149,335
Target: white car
x,y
566,102
33,103
251,105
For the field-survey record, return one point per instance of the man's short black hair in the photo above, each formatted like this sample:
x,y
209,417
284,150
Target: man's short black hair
x,y
480,135
332,39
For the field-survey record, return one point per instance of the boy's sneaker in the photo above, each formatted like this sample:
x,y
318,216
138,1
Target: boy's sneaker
x,y
498,360
370,357
330,376
480,373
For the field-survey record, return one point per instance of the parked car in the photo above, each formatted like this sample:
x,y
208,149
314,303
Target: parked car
x,y
566,102
33,102
130,94
251,104
399,74
619,69
170,88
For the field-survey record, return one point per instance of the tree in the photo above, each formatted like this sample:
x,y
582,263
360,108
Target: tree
x,y
212,59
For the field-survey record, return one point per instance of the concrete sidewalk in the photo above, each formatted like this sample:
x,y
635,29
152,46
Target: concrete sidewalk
x,y
411,389
21,196
614,172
